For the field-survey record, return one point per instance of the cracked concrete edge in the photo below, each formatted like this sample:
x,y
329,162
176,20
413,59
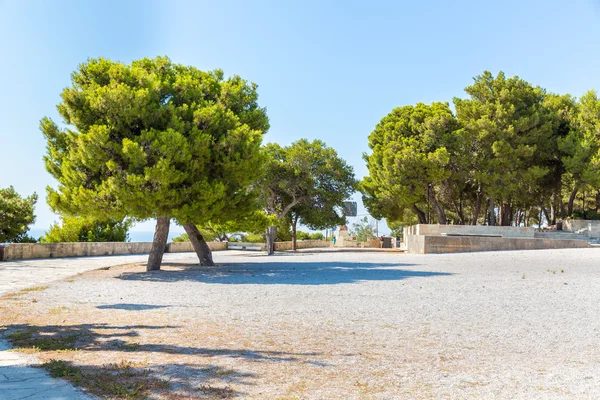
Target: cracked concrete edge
x,y
40,384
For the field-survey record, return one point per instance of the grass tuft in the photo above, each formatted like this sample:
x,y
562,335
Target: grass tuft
x,y
121,381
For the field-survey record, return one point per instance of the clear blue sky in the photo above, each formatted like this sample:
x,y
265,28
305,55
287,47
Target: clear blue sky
x,y
325,69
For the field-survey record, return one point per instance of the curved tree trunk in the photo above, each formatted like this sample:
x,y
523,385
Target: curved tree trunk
x,y
572,200
200,246
420,214
270,236
439,211
294,224
159,243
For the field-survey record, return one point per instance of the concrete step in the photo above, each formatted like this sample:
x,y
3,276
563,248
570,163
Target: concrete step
x,y
561,235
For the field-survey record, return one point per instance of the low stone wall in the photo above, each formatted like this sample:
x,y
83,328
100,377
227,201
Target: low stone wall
x,y
186,247
590,227
302,244
436,230
460,244
25,251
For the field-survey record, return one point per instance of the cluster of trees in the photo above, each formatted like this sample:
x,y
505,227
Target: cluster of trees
x,y
155,139
509,154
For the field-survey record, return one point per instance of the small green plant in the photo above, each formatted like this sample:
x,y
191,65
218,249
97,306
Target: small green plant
x,y
523,276
61,369
128,346
112,381
27,340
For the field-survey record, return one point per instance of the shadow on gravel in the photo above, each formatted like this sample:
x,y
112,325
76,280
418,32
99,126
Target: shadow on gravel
x,y
103,337
134,380
287,273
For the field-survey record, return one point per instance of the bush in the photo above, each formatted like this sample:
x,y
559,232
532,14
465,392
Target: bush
x,y
16,214
316,236
83,229
181,238
300,235
255,238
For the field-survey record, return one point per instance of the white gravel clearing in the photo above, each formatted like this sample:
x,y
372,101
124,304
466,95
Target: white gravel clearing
x,y
504,325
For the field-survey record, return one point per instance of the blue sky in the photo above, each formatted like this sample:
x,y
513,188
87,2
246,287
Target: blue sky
x,y
325,69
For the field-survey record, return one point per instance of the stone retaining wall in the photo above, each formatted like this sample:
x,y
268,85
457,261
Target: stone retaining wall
x,y
25,251
460,244
186,247
436,229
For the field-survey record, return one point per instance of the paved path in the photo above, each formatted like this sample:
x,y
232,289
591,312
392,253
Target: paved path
x,y
18,380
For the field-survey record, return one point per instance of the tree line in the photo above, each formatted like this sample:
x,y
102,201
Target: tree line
x,y
509,154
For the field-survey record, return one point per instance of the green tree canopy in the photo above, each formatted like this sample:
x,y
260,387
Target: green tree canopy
x,y
307,181
409,161
513,154
16,214
154,139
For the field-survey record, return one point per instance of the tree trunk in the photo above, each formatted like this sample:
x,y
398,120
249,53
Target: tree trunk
x,y
572,200
159,243
439,211
420,214
548,219
270,236
477,209
294,223
492,212
200,246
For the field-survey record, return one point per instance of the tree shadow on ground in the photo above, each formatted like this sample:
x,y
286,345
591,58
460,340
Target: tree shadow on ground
x,y
104,337
207,380
286,273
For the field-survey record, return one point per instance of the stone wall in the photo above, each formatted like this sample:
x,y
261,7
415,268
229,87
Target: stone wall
x,y
302,244
24,251
437,230
185,247
459,244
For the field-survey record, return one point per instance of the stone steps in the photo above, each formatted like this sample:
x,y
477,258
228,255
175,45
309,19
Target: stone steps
x,y
561,235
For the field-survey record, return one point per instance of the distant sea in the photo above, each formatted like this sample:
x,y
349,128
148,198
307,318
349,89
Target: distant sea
x,y
134,236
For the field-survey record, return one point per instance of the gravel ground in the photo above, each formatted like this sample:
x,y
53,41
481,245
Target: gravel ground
x,y
503,325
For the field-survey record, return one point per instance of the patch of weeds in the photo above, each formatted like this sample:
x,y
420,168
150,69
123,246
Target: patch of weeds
x,y
218,372
62,369
552,271
57,310
27,340
23,292
562,271
216,392
128,346
121,381
523,276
